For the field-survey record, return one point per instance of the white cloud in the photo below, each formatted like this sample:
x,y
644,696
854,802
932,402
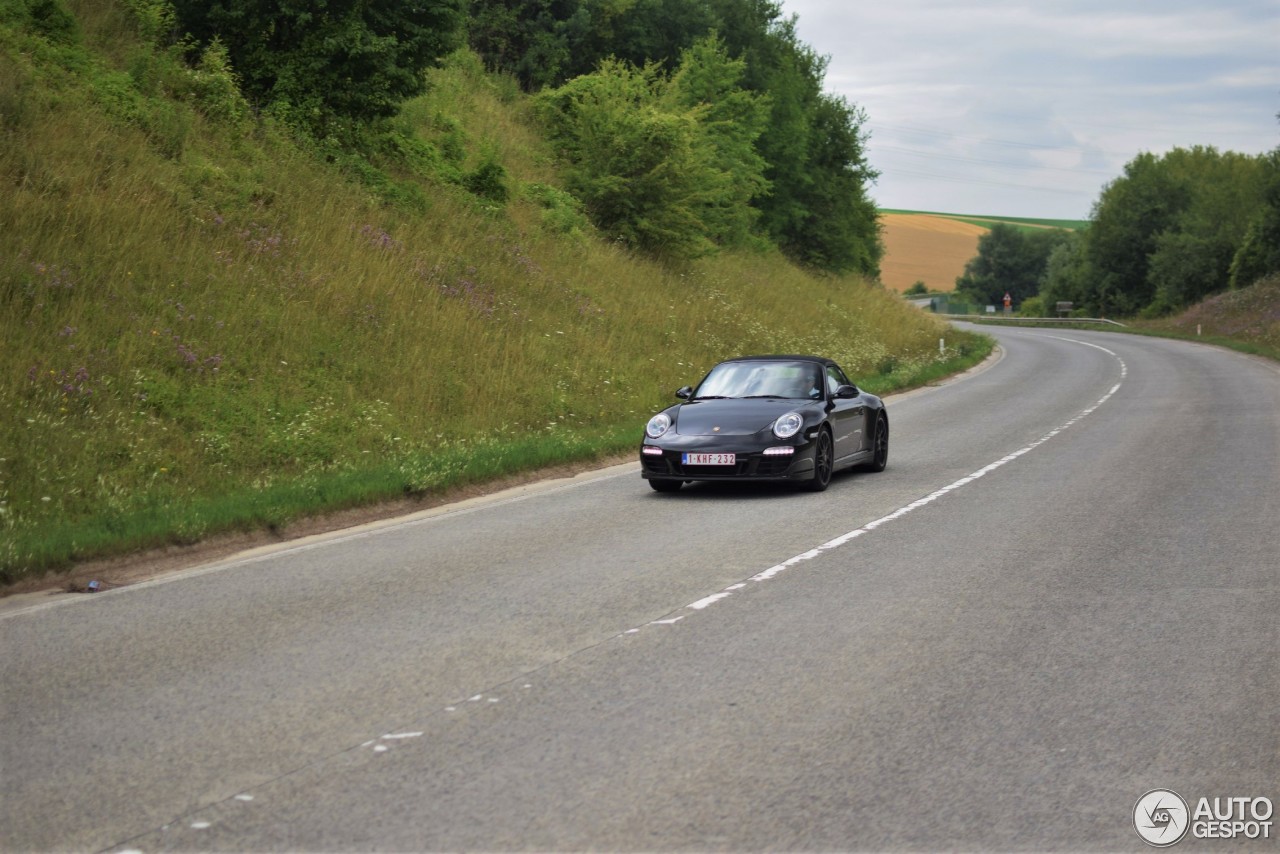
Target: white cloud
x,y
1028,109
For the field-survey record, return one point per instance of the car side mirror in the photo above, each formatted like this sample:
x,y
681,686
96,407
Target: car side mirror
x,y
684,392
845,392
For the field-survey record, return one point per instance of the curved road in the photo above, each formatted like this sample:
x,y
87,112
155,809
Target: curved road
x,y
1062,594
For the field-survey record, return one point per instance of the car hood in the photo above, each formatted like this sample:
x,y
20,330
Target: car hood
x,y
733,417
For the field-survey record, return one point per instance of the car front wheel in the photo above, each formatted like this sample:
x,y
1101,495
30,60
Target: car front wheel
x,y
823,460
665,485
880,456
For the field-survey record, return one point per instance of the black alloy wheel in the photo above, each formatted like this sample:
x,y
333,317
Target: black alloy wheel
x,y
880,458
823,460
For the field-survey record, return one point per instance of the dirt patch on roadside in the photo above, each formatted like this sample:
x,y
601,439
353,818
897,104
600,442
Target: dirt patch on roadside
x,y
132,568
929,249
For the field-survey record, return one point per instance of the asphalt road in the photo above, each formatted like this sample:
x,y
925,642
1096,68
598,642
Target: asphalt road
x,y
1062,594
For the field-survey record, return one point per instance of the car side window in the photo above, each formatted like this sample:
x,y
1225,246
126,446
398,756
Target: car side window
x,y
835,379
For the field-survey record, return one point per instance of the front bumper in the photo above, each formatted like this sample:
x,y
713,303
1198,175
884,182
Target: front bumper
x,y
752,463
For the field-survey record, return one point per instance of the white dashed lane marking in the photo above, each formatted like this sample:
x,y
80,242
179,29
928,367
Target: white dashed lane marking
x,y
778,569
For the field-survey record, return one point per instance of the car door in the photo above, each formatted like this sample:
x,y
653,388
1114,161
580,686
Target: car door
x,y
848,416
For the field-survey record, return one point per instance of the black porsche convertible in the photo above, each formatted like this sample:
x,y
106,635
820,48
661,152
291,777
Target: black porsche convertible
x,y
782,418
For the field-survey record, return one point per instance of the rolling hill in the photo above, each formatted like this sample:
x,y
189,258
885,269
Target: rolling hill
x,y
929,247
925,248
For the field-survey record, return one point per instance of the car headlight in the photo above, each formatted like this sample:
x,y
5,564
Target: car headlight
x,y
657,425
788,425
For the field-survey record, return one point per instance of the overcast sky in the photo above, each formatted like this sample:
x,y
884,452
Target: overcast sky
x,y
1029,108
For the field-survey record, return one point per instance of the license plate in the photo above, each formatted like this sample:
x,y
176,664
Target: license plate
x,y
708,459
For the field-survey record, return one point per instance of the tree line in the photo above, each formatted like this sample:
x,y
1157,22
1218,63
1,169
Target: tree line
x,y
683,126
1171,230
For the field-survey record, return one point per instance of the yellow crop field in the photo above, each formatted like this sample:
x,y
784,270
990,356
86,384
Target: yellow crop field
x,y
923,248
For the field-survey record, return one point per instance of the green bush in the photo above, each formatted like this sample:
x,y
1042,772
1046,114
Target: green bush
x,y
488,181
49,19
339,60
562,213
664,164
1032,307
216,87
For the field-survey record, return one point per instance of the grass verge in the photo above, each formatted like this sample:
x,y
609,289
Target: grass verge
x,y
59,544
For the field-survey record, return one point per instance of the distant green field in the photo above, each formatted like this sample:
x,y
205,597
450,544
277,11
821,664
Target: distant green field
x,y
986,221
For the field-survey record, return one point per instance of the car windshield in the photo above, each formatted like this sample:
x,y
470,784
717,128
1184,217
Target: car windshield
x,y
794,380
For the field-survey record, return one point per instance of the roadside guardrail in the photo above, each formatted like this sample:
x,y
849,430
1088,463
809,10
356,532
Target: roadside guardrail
x,y
995,318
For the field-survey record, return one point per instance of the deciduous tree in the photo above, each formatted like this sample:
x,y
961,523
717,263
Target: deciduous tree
x,y
328,59
1259,251
1011,261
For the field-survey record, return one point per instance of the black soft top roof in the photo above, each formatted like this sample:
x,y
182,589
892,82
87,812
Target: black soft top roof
x,y
822,360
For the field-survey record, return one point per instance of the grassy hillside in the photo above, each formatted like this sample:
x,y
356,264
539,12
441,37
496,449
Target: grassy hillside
x,y
1247,319
208,326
